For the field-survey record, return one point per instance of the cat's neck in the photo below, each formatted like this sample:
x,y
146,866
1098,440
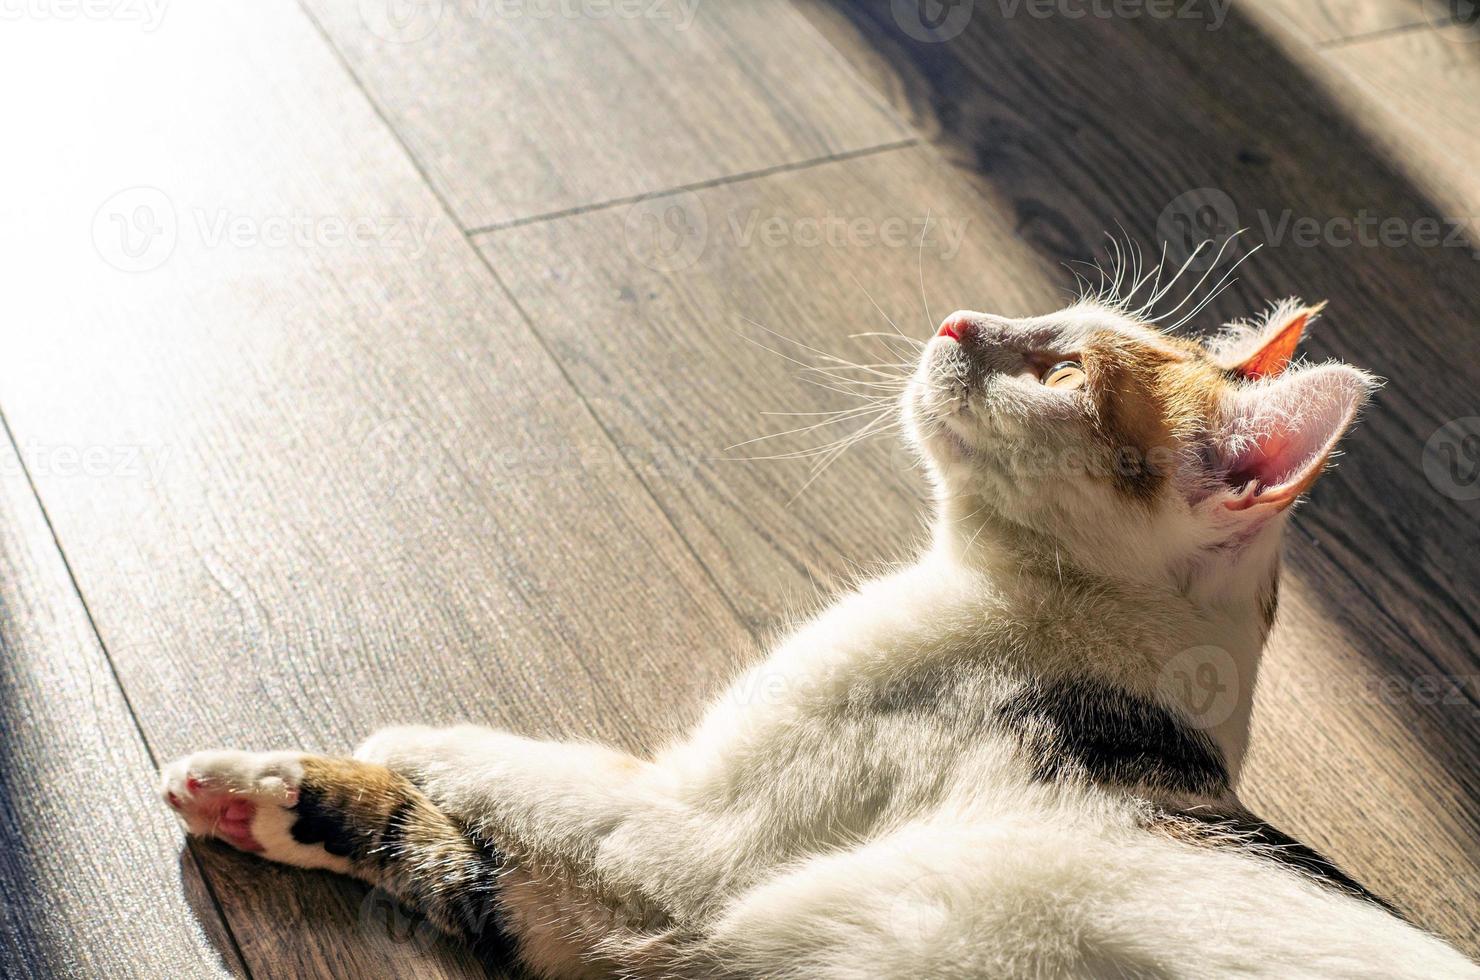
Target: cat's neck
x,y
1192,639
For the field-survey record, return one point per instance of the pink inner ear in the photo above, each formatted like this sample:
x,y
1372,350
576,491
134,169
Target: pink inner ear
x,y
1285,431
1278,351
1272,467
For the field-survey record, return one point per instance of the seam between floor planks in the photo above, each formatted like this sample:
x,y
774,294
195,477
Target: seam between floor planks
x,y
781,168
1337,43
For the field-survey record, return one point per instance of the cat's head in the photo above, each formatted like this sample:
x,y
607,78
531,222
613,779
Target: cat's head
x,y
1120,448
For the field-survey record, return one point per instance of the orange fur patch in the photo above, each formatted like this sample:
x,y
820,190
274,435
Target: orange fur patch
x,y
1152,396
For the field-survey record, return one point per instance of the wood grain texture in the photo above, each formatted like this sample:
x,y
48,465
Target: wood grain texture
x,y
90,884
1062,129
1327,21
683,343
1413,94
522,109
315,473
312,483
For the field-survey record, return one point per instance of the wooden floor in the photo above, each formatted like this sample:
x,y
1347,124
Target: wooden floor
x,y
367,365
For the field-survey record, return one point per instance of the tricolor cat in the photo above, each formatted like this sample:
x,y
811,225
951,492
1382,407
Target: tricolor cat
x,y
998,761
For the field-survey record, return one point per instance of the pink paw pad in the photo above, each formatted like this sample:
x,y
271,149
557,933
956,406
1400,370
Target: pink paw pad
x,y
216,813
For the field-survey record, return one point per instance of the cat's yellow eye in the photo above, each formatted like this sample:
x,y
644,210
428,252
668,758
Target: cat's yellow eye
x,y
1065,374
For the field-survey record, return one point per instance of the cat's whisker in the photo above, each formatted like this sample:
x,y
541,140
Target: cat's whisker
x,y
1117,263
887,318
861,389
1164,291
1149,306
833,388
1226,282
844,362
799,453
870,369
1140,276
1138,260
1217,258
838,361
920,268
888,336
840,411
837,446
865,388
1222,285
771,350
823,464
860,413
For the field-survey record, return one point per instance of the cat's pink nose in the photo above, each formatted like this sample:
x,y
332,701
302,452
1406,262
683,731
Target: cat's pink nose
x,y
955,326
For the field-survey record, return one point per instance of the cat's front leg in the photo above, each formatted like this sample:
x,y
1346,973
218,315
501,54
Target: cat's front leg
x,y
539,795
603,854
347,816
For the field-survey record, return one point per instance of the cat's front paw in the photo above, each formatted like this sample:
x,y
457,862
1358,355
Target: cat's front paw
x,y
246,799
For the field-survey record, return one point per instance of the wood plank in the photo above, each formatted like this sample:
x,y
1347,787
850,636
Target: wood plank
x,y
87,846
1413,96
522,109
668,374
333,482
1327,21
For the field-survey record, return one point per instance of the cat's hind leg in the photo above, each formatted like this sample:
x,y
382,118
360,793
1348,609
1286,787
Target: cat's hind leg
x,y
348,816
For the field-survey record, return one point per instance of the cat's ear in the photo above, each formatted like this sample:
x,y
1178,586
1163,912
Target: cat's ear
x,y
1277,435
1264,349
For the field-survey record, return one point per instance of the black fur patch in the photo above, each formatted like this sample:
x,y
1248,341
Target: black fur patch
x,y
1239,829
394,833
321,823
1083,729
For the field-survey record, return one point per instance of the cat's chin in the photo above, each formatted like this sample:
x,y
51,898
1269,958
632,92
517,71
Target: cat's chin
x,y
946,448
